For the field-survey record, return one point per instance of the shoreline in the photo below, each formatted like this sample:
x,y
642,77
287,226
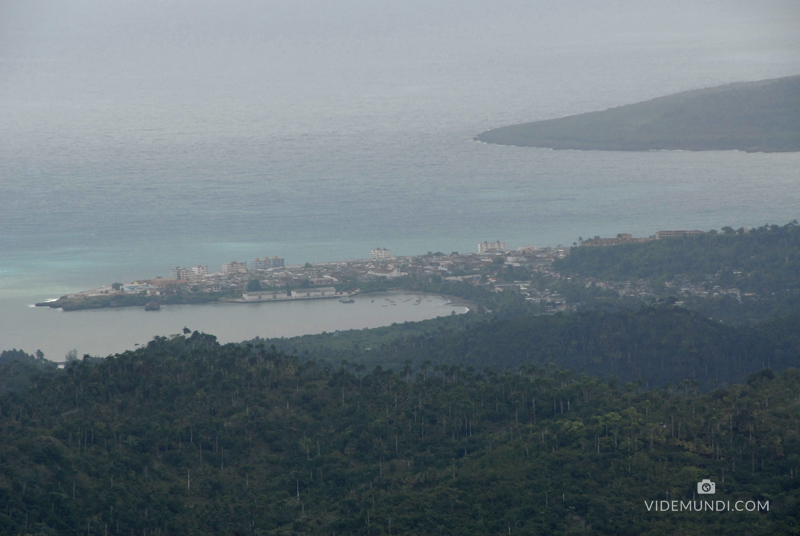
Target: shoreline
x,y
453,301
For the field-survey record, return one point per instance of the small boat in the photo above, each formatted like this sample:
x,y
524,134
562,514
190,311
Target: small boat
x,y
348,300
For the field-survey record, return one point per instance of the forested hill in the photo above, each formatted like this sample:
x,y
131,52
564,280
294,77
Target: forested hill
x,y
759,268
189,437
747,116
18,370
768,258
657,345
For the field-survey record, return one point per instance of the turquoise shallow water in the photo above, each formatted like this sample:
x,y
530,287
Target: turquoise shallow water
x,y
124,157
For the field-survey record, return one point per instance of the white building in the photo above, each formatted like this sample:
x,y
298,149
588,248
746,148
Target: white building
x,y
181,273
200,270
266,263
380,254
314,292
491,247
234,267
266,295
660,235
136,288
390,273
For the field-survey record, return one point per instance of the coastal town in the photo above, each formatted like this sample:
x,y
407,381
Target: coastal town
x,y
527,270
271,279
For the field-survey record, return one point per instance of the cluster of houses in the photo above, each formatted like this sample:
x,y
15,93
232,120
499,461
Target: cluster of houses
x,y
627,238
270,279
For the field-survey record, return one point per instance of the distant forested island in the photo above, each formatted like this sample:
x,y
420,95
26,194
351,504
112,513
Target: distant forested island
x,y
762,116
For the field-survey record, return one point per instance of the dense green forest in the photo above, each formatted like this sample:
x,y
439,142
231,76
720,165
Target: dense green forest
x,y
768,258
189,437
656,344
747,116
19,371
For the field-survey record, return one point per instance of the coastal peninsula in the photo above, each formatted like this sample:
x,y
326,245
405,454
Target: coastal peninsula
x,y
762,116
260,281
743,275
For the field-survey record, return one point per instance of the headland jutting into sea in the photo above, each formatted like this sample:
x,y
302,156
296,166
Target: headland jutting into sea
x,y
761,116
270,279
494,266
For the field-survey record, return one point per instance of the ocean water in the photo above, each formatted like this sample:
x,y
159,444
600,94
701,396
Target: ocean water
x,y
328,135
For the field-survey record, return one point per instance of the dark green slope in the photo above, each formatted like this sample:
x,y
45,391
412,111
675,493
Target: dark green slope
x,y
746,116
764,264
189,437
768,258
658,345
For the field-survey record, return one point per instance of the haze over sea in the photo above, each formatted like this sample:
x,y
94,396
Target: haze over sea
x,y
138,137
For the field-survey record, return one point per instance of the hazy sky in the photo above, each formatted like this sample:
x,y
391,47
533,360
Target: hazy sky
x,y
122,34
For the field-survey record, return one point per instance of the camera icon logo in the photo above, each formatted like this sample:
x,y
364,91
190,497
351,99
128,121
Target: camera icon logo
x,y
706,487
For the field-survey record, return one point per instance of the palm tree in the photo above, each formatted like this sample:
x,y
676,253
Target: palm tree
x,y
407,369
358,367
425,364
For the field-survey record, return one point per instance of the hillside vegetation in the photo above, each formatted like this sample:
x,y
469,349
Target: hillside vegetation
x,y
19,371
190,437
762,265
657,345
747,116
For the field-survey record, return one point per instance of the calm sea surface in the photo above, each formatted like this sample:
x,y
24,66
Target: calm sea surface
x,y
124,157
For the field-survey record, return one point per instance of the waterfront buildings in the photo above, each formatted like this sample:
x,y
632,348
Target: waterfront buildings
x,y
136,288
266,295
622,238
314,292
299,294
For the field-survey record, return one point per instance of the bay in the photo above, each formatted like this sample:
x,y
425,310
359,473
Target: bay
x,y
101,332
